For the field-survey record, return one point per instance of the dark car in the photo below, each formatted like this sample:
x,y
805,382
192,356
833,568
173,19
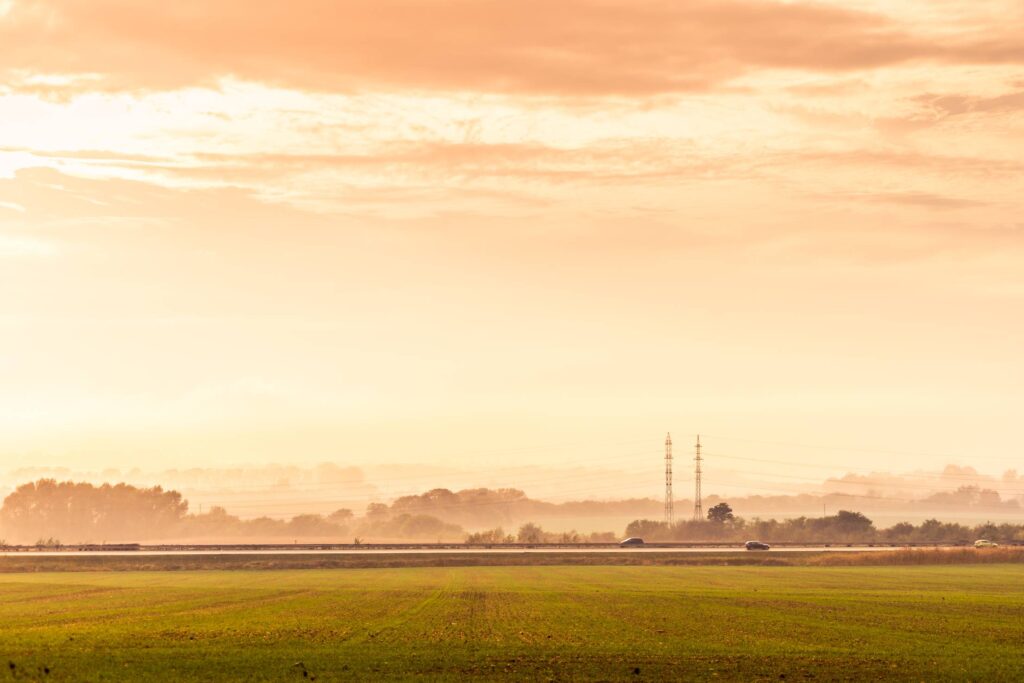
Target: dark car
x,y
756,545
632,540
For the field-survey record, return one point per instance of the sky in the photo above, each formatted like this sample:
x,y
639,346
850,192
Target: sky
x,y
482,234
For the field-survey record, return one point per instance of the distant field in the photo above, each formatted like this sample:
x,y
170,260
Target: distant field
x,y
941,622
140,561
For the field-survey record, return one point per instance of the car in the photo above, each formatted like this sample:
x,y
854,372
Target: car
x,y
632,540
985,543
756,545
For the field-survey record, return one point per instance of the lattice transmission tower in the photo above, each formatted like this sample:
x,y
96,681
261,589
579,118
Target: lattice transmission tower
x,y
698,506
670,515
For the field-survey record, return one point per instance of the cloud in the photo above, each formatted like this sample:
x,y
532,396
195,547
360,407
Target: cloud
x,y
923,199
572,47
430,174
18,246
100,156
610,161
945,106
903,160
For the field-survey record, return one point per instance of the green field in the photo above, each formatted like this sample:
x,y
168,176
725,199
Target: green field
x,y
548,623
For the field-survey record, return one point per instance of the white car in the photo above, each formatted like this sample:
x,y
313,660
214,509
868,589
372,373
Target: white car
x,y
985,543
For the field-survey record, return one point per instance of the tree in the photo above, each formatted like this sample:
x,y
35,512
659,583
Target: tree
x,y
646,528
341,516
720,513
311,525
492,536
853,522
569,537
83,512
425,526
530,533
377,511
901,531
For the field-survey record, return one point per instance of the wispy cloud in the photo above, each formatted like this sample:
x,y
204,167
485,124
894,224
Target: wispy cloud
x,y
944,106
20,246
581,47
925,199
12,206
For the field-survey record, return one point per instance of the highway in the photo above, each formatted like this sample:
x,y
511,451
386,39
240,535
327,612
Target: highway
x,y
438,550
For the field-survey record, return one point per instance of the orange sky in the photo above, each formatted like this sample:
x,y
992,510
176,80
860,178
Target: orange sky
x,y
429,231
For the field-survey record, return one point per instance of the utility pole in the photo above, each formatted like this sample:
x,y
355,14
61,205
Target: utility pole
x,y
698,506
670,516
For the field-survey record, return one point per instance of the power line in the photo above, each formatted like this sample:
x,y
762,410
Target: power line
x,y
856,449
848,482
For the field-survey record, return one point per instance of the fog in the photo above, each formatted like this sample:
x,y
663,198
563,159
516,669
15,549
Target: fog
x,y
336,503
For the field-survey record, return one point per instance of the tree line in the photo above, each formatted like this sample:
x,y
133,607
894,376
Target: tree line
x,y
51,512
48,509
843,527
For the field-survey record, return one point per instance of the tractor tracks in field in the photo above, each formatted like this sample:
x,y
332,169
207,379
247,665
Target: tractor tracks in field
x,y
414,612
390,625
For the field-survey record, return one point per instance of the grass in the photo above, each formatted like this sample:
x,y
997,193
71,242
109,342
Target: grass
x,y
129,561
939,622
919,556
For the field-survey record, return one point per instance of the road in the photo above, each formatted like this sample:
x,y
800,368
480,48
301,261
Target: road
x,y
447,550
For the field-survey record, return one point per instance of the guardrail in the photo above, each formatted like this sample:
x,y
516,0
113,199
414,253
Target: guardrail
x,y
320,547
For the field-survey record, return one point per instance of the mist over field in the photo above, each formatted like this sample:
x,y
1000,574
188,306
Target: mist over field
x,y
331,503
